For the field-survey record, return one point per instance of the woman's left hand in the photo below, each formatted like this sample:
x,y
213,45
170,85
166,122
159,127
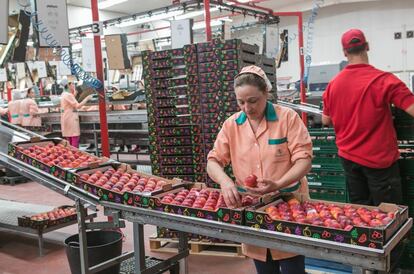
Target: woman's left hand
x,y
263,186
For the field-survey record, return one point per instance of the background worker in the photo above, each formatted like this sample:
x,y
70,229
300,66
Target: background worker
x,y
69,113
29,110
14,108
357,102
268,141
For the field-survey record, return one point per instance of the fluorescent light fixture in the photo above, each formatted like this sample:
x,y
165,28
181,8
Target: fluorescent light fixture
x,y
147,18
243,1
213,23
109,3
194,14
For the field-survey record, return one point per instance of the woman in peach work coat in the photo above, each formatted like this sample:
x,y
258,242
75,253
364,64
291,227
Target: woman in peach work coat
x,y
69,113
14,108
269,141
29,110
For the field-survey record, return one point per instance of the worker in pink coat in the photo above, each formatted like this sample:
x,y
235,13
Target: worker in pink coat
x,y
14,108
29,111
69,113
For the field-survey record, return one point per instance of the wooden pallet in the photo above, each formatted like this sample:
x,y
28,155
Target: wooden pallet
x,y
206,248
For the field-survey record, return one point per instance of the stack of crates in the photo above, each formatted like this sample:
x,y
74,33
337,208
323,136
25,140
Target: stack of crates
x,y
218,63
174,119
190,93
326,178
404,126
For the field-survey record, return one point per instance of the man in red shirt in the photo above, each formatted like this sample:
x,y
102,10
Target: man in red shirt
x,y
357,102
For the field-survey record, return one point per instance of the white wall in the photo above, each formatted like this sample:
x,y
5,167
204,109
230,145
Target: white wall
x,y
79,16
379,20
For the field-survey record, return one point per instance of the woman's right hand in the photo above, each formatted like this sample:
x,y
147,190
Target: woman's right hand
x,y
230,194
89,97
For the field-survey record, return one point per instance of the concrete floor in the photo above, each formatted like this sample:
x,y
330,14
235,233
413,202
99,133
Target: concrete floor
x,y
19,253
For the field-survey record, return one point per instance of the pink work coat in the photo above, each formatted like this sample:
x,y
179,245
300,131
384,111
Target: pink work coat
x,y
29,108
279,141
14,111
69,115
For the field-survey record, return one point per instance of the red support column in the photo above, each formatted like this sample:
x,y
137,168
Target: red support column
x,y
302,67
99,73
207,19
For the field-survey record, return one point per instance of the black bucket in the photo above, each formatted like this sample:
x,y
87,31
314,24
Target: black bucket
x,y
102,246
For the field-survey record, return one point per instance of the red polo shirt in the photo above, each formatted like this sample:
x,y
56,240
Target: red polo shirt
x,y
358,101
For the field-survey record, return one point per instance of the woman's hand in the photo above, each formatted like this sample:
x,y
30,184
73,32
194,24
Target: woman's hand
x,y
263,186
230,194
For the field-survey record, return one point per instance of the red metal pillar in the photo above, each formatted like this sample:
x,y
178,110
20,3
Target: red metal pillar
x,y
302,67
99,73
207,19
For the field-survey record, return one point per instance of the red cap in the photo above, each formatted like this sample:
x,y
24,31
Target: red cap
x,y
353,34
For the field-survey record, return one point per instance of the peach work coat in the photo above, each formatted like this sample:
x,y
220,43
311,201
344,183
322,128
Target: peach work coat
x,y
280,140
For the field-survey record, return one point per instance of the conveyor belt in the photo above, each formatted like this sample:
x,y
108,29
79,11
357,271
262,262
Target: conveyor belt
x,y
363,257
127,116
301,107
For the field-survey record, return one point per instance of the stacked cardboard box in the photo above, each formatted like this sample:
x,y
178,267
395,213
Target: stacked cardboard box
x,y
326,179
190,93
174,119
404,126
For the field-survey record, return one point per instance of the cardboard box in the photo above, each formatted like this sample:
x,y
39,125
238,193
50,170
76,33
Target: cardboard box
x,y
178,121
364,236
128,197
172,112
116,49
180,131
16,150
27,221
226,215
176,140
189,169
181,150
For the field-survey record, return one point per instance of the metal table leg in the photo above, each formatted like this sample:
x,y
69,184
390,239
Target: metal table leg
x,y
83,244
95,137
139,248
40,240
183,246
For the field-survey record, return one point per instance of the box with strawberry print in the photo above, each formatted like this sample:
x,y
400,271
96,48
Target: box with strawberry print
x,y
180,150
175,141
172,111
197,200
185,170
54,156
59,215
177,121
180,131
339,222
120,183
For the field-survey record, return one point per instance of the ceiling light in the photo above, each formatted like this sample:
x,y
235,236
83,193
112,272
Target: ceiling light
x,y
109,3
243,1
147,18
